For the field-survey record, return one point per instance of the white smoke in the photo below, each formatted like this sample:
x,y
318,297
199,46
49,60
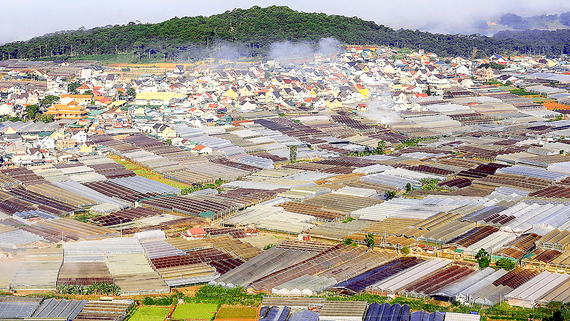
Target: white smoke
x,y
381,108
228,50
328,47
290,50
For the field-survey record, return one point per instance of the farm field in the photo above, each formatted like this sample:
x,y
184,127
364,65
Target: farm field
x,y
236,313
194,311
141,171
147,313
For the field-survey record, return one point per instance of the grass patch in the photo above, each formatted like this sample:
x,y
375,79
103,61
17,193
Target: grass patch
x,y
85,217
233,312
195,311
522,92
145,313
141,171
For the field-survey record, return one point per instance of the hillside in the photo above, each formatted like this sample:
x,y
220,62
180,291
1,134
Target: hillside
x,y
550,42
250,32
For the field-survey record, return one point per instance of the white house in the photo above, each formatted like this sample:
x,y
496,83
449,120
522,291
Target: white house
x,y
46,143
80,137
6,109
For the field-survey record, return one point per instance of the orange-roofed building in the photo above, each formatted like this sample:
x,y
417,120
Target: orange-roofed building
x,y
196,233
71,111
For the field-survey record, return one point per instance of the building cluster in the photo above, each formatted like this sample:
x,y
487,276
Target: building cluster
x,y
372,171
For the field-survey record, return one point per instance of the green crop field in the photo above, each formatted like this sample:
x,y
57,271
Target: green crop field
x,y
195,311
229,312
146,313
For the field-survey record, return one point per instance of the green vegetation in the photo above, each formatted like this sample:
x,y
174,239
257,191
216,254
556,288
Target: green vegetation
x,y
48,100
348,220
158,301
72,87
97,288
369,240
493,65
268,246
429,184
150,314
85,217
521,92
390,194
347,241
483,259
189,190
219,295
405,250
252,31
506,264
370,298
293,153
229,312
195,311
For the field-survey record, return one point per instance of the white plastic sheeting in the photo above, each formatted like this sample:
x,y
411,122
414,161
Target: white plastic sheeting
x,y
532,172
145,185
526,294
393,284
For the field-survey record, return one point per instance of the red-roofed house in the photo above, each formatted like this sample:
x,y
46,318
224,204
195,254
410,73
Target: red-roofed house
x,y
201,149
196,233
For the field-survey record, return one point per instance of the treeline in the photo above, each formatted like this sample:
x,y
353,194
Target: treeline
x,y
251,33
546,42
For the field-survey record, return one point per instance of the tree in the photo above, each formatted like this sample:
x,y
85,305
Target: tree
x,y
409,187
131,92
428,92
381,147
72,88
390,194
429,184
347,241
483,258
506,264
405,250
169,141
369,240
31,111
293,153
48,100
268,246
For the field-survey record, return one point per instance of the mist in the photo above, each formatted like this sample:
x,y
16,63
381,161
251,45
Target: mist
x,y
25,19
289,50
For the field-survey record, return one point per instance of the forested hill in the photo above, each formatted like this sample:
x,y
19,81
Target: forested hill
x,y
252,31
554,42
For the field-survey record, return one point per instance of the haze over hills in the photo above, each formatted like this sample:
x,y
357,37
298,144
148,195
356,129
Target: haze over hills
x,y
259,31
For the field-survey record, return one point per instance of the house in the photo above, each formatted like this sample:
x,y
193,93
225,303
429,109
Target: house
x,y
196,233
46,143
86,148
35,154
201,149
80,137
179,69
66,143
6,109
462,70
167,132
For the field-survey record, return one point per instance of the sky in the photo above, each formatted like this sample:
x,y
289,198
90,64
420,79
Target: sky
x,y
25,19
